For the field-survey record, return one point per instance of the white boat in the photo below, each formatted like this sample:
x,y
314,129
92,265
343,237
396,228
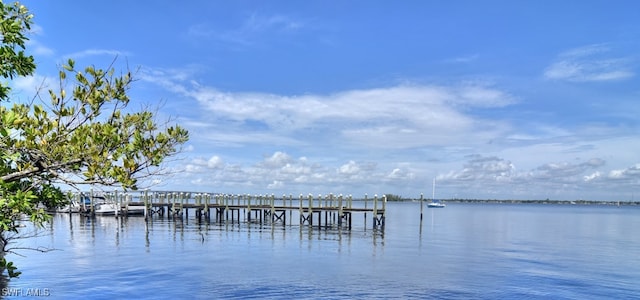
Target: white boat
x,y
72,207
106,207
134,209
435,203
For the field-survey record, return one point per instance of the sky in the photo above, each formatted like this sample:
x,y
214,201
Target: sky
x,y
492,99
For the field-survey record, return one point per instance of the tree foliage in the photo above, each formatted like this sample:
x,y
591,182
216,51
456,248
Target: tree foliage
x,y
14,24
82,132
392,197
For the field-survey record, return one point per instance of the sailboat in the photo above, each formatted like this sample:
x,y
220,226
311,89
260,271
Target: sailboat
x,y
435,203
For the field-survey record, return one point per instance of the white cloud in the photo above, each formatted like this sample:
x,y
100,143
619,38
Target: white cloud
x,y
34,46
430,128
252,29
400,174
193,168
480,168
562,170
494,175
29,85
483,96
259,23
349,169
632,172
276,184
277,160
462,59
188,148
592,176
97,52
589,63
38,49
215,162
393,117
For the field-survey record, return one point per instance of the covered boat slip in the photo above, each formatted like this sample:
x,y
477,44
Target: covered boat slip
x,y
319,211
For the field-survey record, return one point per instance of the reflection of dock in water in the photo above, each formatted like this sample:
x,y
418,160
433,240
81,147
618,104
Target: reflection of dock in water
x,y
321,212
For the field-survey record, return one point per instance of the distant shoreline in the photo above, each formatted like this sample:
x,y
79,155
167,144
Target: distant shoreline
x,y
563,202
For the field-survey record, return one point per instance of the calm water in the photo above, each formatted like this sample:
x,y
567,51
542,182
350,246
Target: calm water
x,y
462,251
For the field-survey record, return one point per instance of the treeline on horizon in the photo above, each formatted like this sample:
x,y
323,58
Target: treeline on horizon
x,y
392,197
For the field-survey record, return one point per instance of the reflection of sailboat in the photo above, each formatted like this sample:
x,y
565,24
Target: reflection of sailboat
x,y
435,203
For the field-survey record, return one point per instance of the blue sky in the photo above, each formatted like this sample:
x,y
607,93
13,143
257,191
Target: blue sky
x,y
495,99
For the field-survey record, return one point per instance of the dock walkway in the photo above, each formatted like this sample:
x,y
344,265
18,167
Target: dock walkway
x,y
318,211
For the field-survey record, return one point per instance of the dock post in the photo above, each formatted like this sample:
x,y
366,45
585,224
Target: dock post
x,y
127,200
157,196
91,209
219,207
146,204
230,202
161,202
260,205
259,213
340,210
300,210
70,197
176,201
284,203
290,205
187,197
350,212
421,205
310,210
171,197
328,202
183,199
160,197
244,206
384,203
320,211
197,203
375,211
150,202
225,202
207,198
273,210
384,210
179,197
248,199
170,204
365,210
117,204
332,203
200,209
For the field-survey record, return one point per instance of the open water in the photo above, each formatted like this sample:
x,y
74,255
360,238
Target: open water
x,y
464,251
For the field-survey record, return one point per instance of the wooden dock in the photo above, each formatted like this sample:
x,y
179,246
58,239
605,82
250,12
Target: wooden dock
x,y
314,211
